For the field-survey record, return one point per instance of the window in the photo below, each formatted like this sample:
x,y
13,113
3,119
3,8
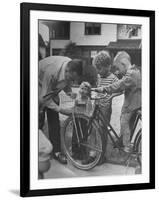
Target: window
x,y
92,29
60,31
129,31
133,30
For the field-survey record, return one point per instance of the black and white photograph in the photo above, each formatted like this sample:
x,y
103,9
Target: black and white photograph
x,y
89,95
89,99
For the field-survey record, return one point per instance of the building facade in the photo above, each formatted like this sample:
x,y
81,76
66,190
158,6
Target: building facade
x,y
84,40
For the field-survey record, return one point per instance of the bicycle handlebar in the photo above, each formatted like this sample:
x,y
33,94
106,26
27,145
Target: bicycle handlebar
x,y
105,95
56,91
52,93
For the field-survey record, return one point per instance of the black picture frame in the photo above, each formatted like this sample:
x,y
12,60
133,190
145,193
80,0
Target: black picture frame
x,y
25,9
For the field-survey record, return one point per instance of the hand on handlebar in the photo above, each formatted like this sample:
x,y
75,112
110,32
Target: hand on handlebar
x,y
99,89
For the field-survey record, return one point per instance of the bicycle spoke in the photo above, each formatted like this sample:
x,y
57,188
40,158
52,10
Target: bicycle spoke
x,y
91,147
82,138
81,132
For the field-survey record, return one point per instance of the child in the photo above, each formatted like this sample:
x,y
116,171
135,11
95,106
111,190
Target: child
x,y
83,99
82,105
102,62
130,83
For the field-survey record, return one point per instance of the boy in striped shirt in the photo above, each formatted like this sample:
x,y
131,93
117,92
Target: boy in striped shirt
x,y
102,62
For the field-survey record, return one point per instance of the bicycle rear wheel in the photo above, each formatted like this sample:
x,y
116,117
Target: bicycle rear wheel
x,y
138,147
82,140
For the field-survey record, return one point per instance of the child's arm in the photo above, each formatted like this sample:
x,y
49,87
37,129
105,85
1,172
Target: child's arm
x,y
99,89
126,82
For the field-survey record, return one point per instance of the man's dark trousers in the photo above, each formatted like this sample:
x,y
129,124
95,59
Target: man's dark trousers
x,y
54,129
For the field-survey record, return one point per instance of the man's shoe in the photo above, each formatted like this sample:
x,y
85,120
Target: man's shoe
x,y
61,158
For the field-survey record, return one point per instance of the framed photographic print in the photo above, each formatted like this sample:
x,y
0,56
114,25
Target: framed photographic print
x,y
87,99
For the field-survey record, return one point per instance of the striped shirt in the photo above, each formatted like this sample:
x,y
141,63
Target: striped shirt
x,y
102,82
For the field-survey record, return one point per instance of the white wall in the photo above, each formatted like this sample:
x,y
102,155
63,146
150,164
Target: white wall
x,y
108,33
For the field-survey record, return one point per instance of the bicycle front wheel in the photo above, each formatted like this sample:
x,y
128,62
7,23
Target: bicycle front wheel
x,y
83,141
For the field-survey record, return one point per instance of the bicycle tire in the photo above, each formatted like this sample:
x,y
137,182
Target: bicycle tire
x,y
137,146
100,152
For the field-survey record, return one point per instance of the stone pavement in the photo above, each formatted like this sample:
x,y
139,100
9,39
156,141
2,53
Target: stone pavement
x,y
58,170
115,165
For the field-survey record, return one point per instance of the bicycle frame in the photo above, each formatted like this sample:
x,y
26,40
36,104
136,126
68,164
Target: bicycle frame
x,y
98,115
80,135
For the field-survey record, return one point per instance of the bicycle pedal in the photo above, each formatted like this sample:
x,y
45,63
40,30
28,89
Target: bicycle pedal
x,y
115,147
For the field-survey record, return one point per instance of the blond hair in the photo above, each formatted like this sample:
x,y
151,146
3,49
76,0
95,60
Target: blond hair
x,y
122,55
87,86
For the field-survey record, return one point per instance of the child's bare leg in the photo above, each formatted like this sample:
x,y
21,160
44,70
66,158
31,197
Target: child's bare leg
x,y
125,128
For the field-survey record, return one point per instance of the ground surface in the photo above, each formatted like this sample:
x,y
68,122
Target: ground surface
x,y
66,171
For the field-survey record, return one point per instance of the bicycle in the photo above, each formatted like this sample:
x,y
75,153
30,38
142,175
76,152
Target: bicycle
x,y
84,135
